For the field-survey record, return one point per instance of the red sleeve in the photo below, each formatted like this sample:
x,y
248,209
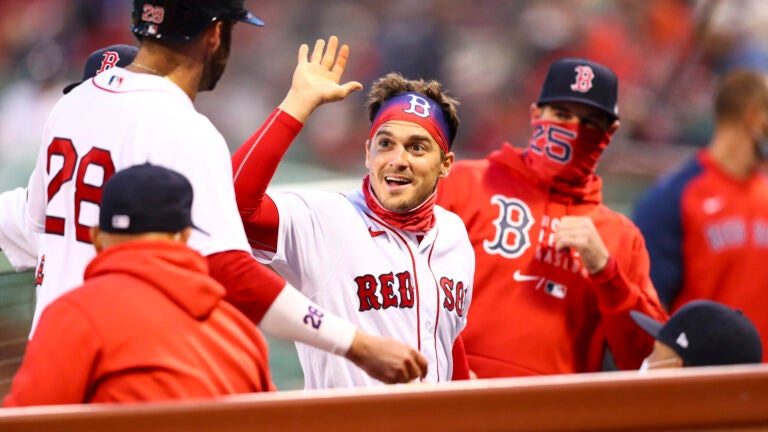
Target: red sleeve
x,y
59,360
251,286
460,362
623,285
254,164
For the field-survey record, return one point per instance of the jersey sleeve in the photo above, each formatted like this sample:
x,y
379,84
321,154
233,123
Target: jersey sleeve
x,y
624,285
60,359
658,216
36,198
254,164
460,361
251,286
16,240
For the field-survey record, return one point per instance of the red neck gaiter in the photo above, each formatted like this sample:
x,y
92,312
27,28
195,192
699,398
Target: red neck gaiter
x,y
419,220
565,153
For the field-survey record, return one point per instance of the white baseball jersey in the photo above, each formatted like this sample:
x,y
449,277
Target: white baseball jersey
x,y
381,278
16,241
113,121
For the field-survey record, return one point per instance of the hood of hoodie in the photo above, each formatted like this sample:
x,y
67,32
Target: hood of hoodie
x,y
171,267
590,191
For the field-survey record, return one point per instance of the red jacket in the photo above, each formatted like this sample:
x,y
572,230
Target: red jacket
x,y
535,310
148,324
707,236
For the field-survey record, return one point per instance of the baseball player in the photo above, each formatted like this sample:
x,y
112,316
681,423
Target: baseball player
x,y
384,257
149,323
561,268
145,113
16,241
706,223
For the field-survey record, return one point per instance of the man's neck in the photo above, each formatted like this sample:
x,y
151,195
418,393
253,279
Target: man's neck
x,y
178,69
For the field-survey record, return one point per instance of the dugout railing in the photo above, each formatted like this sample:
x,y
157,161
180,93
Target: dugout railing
x,y
726,398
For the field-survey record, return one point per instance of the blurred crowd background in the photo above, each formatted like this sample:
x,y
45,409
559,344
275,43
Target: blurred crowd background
x,y
490,54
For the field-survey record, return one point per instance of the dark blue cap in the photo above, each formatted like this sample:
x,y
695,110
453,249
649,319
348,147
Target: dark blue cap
x,y
146,198
182,20
582,81
103,59
706,333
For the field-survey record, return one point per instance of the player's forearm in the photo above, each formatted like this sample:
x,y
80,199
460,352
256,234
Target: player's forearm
x,y
294,317
254,164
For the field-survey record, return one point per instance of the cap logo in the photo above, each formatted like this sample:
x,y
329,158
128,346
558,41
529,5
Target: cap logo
x,y
152,14
121,221
416,108
584,77
419,106
109,61
682,340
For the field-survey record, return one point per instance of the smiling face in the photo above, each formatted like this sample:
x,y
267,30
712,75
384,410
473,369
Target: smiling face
x,y
404,163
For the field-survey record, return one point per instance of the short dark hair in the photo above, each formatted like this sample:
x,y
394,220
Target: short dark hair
x,y
737,90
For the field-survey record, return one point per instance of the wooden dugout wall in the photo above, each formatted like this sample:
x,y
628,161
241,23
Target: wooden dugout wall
x,y
733,398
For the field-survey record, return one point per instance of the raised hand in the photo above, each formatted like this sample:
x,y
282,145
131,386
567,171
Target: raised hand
x,y
316,79
386,359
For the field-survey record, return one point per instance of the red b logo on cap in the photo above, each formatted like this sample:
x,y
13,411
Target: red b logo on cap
x,y
109,61
584,77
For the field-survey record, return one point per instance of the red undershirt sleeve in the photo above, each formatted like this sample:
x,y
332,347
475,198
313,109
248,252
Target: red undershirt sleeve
x,y
460,361
251,286
254,164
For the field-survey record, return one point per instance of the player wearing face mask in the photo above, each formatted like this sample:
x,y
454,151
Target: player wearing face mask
x,y
706,223
557,271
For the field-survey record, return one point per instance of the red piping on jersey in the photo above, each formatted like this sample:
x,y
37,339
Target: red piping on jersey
x,y
93,81
415,282
267,126
437,315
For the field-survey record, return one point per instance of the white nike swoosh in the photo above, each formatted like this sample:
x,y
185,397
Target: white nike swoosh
x,y
524,278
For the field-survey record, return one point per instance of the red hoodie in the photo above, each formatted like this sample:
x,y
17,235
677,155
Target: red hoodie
x,y
148,324
536,311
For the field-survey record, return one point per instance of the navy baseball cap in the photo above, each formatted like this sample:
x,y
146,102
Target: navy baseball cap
x,y
582,81
706,333
146,198
103,59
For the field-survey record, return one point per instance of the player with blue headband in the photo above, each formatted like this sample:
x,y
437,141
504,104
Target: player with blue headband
x,y
384,256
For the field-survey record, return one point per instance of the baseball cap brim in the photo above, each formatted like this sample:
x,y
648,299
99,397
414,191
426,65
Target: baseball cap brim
x,y
250,18
69,88
648,324
578,100
202,231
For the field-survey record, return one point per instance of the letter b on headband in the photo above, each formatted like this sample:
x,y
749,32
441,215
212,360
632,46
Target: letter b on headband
x,y
419,106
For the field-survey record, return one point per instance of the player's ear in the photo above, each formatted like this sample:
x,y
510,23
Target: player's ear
x,y
614,127
183,235
446,162
96,238
535,112
213,34
368,154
